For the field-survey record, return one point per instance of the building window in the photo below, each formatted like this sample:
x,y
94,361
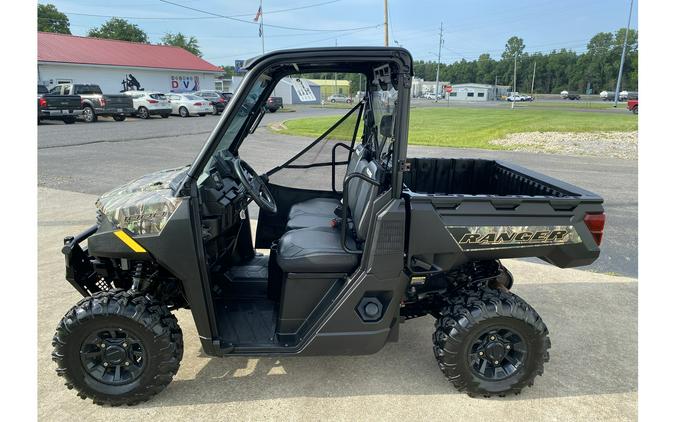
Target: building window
x,y
453,94
481,94
469,94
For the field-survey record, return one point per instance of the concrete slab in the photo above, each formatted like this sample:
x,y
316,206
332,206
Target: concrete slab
x,y
592,374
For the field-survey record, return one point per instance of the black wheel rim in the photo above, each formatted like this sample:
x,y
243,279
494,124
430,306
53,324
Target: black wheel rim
x,y
497,354
113,356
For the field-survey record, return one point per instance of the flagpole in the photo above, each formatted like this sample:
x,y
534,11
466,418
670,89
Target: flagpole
x,y
262,27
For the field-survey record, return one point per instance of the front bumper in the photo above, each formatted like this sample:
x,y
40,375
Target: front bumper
x,y
80,271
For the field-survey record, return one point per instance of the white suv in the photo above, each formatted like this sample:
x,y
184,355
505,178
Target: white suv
x,y
150,103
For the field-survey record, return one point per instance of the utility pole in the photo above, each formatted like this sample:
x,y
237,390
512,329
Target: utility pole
x,y
534,72
262,27
438,64
623,57
335,77
386,23
515,69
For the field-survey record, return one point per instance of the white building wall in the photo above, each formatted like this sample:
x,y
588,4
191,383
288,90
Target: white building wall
x,y
109,78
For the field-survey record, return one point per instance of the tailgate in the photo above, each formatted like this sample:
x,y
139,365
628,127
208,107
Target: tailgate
x,y
62,102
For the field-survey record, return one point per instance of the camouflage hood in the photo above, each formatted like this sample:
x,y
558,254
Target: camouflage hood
x,y
144,205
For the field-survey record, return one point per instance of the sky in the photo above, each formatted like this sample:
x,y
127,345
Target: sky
x,y
469,27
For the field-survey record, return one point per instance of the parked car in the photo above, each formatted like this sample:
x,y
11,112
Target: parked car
x,y
632,106
607,95
57,107
274,104
95,103
186,104
339,98
227,96
517,97
215,99
150,103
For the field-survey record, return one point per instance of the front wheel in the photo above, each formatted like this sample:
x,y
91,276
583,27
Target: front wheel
x,y
118,347
635,110
490,342
183,112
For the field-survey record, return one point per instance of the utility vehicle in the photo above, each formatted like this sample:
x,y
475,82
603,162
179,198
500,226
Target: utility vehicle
x,y
378,239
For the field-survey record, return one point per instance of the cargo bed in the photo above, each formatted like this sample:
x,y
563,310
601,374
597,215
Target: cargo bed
x,y
486,209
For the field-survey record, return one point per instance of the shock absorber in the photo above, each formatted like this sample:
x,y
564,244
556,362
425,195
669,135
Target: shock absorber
x,y
137,277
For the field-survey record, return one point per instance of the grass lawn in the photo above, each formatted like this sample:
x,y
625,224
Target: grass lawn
x,y
473,128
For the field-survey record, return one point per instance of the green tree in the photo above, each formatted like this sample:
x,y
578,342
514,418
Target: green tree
x,y
179,40
514,47
50,19
119,29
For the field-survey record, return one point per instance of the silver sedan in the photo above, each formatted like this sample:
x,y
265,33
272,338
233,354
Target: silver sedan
x,y
187,104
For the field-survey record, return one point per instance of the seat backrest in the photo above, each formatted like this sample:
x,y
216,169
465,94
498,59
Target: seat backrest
x,y
362,205
357,154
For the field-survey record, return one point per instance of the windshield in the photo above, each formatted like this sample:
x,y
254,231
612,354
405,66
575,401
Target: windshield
x,y
244,111
191,97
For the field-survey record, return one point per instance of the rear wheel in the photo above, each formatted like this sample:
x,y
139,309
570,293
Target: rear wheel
x,y
490,342
183,112
89,115
118,347
635,110
214,110
143,113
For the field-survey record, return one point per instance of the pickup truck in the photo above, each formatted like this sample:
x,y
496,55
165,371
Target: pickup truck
x,y
274,104
57,107
632,106
95,103
391,239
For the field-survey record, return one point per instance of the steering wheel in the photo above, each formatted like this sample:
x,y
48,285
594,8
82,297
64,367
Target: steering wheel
x,y
254,185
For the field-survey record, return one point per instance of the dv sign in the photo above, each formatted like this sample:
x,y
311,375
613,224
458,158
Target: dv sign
x,y
184,83
448,88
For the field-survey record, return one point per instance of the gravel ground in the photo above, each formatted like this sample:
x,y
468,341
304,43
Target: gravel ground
x,y
623,145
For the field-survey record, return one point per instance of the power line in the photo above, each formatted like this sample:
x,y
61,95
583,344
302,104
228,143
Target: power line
x,y
269,25
171,18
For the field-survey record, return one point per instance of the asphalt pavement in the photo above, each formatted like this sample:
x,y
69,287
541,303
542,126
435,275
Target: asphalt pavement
x,y
94,158
592,374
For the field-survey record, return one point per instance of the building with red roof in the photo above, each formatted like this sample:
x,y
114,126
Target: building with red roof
x,y
120,65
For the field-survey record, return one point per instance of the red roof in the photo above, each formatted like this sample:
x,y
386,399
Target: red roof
x,y
85,50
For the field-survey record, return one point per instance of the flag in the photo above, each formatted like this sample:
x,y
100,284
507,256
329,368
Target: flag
x,y
260,31
258,15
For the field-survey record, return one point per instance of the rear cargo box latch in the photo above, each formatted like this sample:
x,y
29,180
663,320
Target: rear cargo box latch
x,y
404,165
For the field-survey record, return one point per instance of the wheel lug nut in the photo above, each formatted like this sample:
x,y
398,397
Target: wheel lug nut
x,y
496,362
126,363
102,345
124,345
492,338
105,363
480,353
508,347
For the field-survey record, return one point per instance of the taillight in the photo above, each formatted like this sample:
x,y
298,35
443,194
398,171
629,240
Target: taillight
x,y
42,102
198,104
596,225
221,100
153,101
102,101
